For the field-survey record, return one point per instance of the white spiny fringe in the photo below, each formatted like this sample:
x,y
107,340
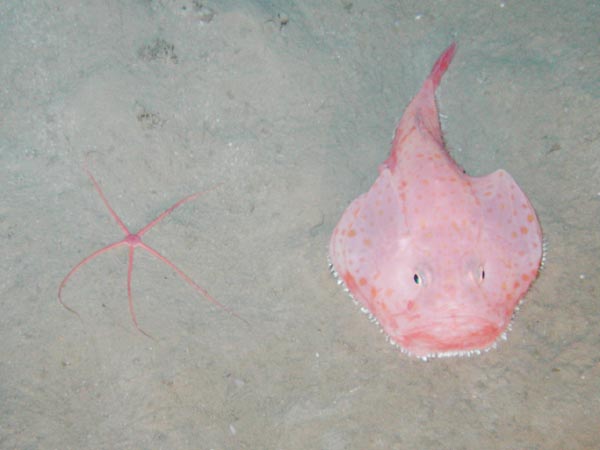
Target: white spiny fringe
x,y
544,253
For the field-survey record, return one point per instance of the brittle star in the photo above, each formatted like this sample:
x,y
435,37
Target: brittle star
x,y
133,240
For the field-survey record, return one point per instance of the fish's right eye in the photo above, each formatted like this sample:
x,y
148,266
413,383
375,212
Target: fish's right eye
x,y
417,279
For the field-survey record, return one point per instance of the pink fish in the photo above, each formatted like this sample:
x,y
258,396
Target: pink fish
x,y
440,259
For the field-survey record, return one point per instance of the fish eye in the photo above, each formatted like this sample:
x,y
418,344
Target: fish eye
x,y
481,274
417,279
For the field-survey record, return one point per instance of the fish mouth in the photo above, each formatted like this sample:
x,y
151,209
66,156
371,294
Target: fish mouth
x,y
449,335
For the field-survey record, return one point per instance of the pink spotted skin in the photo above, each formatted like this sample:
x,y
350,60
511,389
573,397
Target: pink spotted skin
x,y
440,259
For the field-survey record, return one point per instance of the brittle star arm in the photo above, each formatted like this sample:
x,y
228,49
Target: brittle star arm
x,y
78,266
191,282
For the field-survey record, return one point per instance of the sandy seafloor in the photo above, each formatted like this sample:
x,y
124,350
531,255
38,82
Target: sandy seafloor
x,y
287,120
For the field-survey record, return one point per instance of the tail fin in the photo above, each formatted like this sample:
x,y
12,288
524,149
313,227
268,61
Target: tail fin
x,y
441,65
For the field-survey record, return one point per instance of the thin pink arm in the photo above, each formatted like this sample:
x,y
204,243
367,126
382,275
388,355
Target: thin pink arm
x,y
78,266
172,208
191,282
112,211
129,294
167,212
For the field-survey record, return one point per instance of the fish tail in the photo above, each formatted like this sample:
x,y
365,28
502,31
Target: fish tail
x,y
441,65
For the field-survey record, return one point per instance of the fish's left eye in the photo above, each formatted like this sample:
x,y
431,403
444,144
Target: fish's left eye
x,y
481,274
417,279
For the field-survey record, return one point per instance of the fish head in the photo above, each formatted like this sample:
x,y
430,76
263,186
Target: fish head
x,y
446,293
438,287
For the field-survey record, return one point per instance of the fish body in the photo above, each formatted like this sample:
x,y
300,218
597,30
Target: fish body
x,y
440,259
